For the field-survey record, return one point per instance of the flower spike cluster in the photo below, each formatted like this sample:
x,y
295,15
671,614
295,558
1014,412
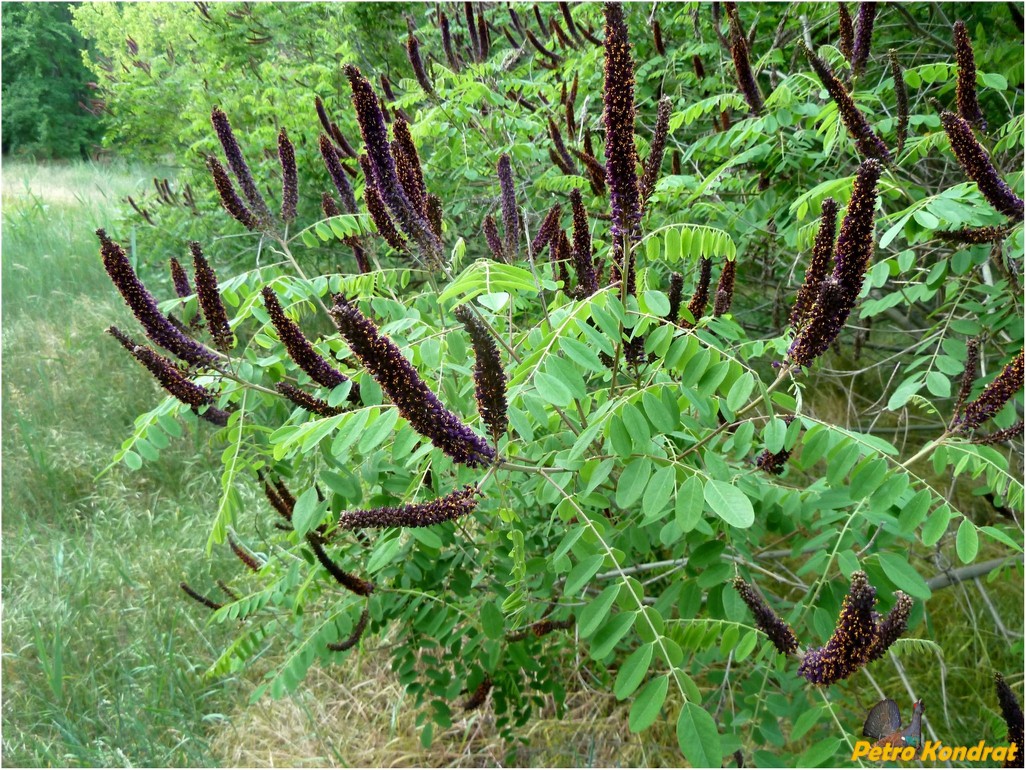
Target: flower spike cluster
x,y
452,506
378,211
860,636
450,53
239,167
863,36
480,694
489,377
400,381
900,99
547,229
977,165
510,217
298,346
965,85
838,294
587,280
413,54
230,199
491,231
196,596
383,168
857,637
890,629
845,31
382,163
407,163
700,297
621,153
304,400
975,236
350,641
540,629
357,585
337,174
156,325
675,295
658,148
741,56
180,279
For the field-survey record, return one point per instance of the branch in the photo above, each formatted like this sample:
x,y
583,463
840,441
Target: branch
x,y
952,576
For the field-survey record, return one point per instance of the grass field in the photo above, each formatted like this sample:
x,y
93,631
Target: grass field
x,y
102,658
102,661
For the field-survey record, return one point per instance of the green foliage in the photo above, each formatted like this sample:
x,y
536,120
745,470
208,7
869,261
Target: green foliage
x,y
627,492
45,91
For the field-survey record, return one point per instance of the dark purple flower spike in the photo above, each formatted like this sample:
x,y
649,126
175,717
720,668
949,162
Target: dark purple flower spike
x,y
978,167
658,148
845,31
173,380
725,288
866,140
337,174
298,346
289,177
587,280
766,620
819,264
230,199
621,153
400,381
510,215
838,294
489,376
965,85
386,180
239,167
900,101
1011,712
210,300
455,505
741,57
864,19
180,279
998,393
304,400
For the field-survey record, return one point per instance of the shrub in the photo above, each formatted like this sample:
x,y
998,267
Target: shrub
x,y
645,472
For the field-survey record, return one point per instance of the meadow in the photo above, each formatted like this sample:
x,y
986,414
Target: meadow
x,y
102,662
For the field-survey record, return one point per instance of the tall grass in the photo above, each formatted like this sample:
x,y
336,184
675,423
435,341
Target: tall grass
x,y
102,660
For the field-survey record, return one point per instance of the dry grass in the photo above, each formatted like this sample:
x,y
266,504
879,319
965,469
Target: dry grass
x,y
356,714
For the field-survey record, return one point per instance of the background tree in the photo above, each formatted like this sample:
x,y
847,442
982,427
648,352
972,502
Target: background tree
x,y
49,110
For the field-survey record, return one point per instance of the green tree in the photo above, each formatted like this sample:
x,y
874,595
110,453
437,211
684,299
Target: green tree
x,y
47,107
